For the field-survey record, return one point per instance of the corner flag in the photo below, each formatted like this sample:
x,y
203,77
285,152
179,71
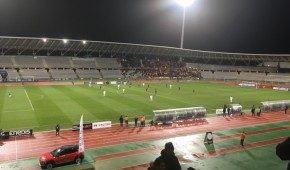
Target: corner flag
x,y
81,139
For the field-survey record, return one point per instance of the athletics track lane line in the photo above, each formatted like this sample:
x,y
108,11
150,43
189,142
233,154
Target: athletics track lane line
x,y
133,152
43,142
139,136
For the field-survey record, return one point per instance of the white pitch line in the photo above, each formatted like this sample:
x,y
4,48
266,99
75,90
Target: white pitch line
x,y
16,149
29,100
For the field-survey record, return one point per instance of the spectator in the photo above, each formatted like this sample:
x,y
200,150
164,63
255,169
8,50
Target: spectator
x,y
127,120
136,120
57,128
283,152
191,168
158,164
224,110
168,156
229,111
243,136
253,110
121,120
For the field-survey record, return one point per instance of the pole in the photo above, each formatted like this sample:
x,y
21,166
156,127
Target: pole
x,y
182,33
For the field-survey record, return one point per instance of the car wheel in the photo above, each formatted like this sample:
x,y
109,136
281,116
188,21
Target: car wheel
x,y
78,160
49,166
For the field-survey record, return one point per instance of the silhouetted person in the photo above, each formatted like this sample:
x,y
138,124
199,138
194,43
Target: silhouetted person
x,y
283,151
121,120
57,128
169,158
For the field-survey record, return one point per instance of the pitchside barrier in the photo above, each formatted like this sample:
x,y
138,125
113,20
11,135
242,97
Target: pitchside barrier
x,y
15,133
180,114
95,125
270,106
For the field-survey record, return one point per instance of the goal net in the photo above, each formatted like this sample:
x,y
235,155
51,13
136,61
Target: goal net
x,y
25,78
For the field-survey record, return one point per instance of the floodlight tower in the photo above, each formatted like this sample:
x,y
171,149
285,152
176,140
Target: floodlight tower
x,y
184,4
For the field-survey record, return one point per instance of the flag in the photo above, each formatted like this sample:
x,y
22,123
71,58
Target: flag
x,y
81,139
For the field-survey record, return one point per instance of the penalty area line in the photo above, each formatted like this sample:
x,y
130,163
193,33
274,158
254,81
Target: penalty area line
x,y
29,100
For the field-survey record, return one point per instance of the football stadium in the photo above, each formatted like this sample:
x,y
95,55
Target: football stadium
x,y
73,104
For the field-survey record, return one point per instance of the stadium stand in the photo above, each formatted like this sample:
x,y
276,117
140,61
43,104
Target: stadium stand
x,y
207,75
6,62
88,74
121,60
12,74
83,62
28,62
111,74
37,74
63,74
107,63
248,76
225,75
58,62
277,77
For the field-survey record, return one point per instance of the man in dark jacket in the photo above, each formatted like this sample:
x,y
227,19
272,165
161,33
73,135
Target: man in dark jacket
x,y
283,151
121,119
169,158
57,128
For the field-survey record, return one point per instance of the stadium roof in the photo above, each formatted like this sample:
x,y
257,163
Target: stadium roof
x,y
58,47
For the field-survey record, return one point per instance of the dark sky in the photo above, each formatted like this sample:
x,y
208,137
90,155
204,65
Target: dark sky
x,y
248,26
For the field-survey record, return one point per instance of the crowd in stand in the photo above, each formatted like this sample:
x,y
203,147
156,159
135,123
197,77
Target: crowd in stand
x,y
150,68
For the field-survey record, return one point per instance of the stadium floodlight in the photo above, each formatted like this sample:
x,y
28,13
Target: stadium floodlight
x,y
44,39
84,42
64,41
184,4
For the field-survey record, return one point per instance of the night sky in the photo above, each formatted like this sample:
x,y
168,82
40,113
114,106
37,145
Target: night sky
x,y
242,26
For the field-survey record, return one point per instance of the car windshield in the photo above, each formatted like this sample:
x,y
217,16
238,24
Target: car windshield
x,y
56,152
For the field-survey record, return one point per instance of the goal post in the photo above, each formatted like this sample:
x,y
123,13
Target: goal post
x,y
25,78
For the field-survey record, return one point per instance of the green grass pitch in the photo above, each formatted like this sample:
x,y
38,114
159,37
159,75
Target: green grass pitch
x,y
42,107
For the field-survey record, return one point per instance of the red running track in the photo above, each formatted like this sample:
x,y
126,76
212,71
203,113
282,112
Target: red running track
x,y
27,147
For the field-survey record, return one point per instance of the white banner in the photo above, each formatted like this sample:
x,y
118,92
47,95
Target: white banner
x,y
81,139
98,125
99,82
113,82
281,88
247,84
219,111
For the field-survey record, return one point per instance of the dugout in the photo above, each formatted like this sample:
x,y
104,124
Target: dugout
x,y
236,109
179,114
270,106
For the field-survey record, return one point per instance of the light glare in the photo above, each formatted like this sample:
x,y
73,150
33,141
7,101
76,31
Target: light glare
x,y
65,41
184,3
44,39
84,42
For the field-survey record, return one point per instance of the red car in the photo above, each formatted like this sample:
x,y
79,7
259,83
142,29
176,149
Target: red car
x,y
61,155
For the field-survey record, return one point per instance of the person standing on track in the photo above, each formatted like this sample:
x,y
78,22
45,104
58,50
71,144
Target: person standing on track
x,y
242,136
286,109
224,110
127,120
136,120
253,110
57,128
143,121
121,120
